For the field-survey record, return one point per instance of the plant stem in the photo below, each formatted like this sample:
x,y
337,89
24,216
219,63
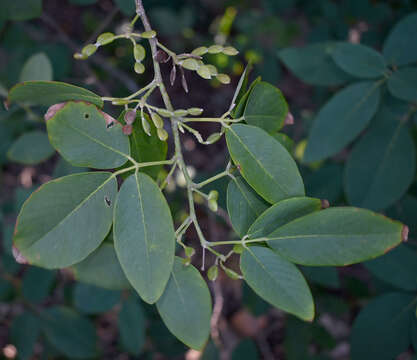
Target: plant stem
x,y
213,178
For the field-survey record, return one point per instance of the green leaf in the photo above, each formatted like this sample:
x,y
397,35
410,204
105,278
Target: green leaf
x,y
359,60
398,268
242,99
381,166
282,213
285,141
20,10
243,205
404,211
37,284
102,268
266,107
24,333
144,236
64,168
48,93
314,65
277,281
145,148
66,219
131,323
324,276
399,47
90,299
185,305
336,237
403,84
242,85
341,119
264,163
79,133
70,333
31,148
382,329
37,67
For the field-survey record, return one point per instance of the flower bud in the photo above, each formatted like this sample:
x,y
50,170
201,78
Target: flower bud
x,y
189,251
213,195
88,50
190,64
161,56
212,204
199,51
230,50
223,78
238,249
127,129
195,111
186,261
180,112
213,138
231,274
204,72
105,38
130,117
212,273
215,49
139,52
148,34
146,126
139,68
79,56
162,134
158,122
164,112
213,70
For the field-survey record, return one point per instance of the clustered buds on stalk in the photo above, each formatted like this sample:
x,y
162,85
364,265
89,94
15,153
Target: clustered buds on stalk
x,y
212,198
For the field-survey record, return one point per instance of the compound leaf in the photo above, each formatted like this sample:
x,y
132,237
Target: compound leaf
x,y
277,281
66,219
264,163
185,305
144,236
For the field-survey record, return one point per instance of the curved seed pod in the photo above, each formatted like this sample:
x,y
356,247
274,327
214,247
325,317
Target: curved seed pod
x,y
231,274
173,74
184,81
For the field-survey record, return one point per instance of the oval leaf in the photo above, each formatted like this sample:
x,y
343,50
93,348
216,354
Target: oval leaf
x,y
48,93
79,133
37,67
403,84
282,213
341,119
372,172
266,107
24,333
314,65
185,306
264,163
90,299
243,205
359,60
336,237
102,268
66,219
277,281
31,148
144,236
381,330
70,333
399,47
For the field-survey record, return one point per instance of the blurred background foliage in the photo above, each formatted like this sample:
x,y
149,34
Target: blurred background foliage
x,y
47,315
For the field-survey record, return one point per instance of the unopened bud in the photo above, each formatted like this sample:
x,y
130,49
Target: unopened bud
x,y
139,52
213,138
164,112
195,111
204,72
105,38
213,195
190,64
231,274
158,122
148,34
162,134
186,261
215,49
79,56
127,129
146,127
212,204
223,78
189,251
130,117
161,56
200,51
212,273
89,50
180,113
139,68
238,249
230,50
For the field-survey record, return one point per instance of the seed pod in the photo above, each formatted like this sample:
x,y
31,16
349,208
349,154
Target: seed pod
x,y
190,64
199,51
213,138
173,74
139,68
230,50
204,72
127,129
88,50
189,251
139,52
161,56
158,122
212,204
164,112
213,195
231,274
180,113
130,117
148,34
105,38
223,78
146,126
213,70
215,49
162,134
195,111
212,273
238,249
79,56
